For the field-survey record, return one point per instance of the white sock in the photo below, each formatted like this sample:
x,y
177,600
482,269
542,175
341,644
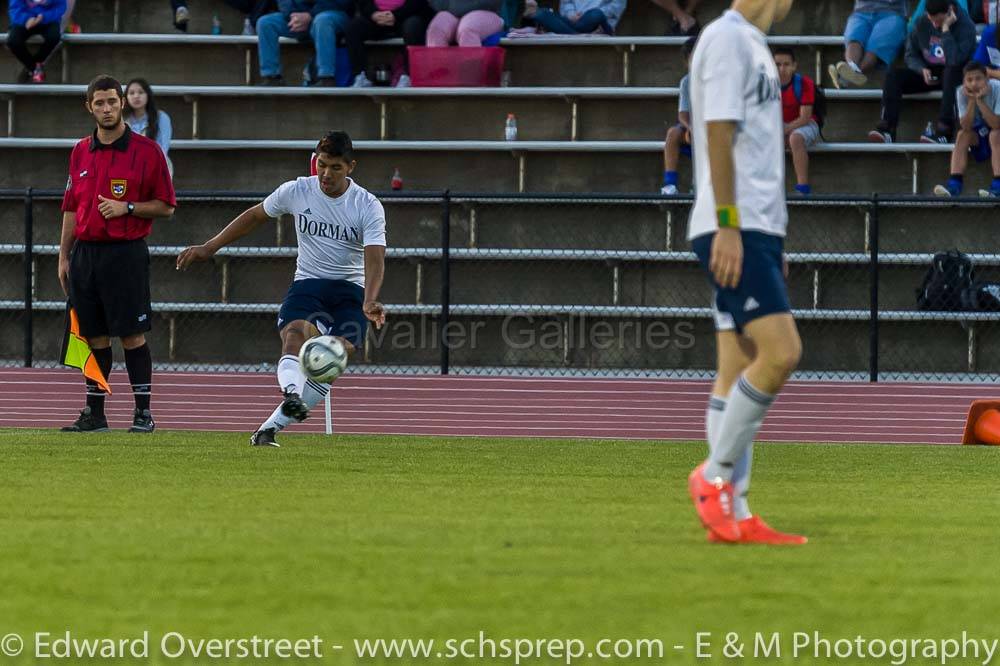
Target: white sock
x,y
741,484
713,420
745,411
277,420
314,392
290,377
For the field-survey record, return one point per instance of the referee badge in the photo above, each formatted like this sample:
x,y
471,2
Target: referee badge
x,y
119,187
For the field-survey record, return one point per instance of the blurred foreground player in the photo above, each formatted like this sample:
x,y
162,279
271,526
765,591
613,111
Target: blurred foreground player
x,y
737,228
340,228
118,183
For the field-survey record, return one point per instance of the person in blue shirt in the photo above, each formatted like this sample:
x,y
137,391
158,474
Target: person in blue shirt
x,y
27,19
318,21
142,115
582,16
988,52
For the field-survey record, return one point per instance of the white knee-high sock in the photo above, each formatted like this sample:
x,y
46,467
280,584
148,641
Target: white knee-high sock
x,y
313,392
745,411
290,377
713,420
741,484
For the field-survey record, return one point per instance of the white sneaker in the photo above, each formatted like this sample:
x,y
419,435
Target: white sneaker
x,y
361,81
404,81
850,74
669,189
941,191
182,16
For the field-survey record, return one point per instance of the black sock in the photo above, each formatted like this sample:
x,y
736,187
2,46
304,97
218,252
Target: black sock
x,y
95,394
139,363
957,176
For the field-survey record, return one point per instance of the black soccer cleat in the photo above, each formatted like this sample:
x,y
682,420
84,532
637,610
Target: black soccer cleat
x,y
87,422
265,437
294,408
142,421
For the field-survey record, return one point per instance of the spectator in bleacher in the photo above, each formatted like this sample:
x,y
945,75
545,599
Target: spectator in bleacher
x,y
682,11
582,16
988,53
679,136
979,130
27,19
181,14
874,33
467,22
937,49
254,9
798,108
144,118
316,21
383,19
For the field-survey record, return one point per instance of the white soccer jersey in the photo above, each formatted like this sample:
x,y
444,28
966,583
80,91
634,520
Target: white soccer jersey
x,y
733,77
332,232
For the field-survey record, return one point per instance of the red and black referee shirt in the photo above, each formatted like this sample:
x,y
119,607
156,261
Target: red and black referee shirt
x,y
132,169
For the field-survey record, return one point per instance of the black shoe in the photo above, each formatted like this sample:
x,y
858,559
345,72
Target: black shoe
x,y
273,81
326,82
142,421
24,77
88,423
264,437
294,408
879,135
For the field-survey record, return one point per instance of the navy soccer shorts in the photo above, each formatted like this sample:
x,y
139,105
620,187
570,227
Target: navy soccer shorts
x,y
761,290
332,306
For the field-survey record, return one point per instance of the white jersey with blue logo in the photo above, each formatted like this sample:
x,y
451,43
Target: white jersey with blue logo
x,y
734,78
332,232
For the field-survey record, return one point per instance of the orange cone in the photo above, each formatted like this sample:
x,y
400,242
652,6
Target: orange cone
x,y
983,423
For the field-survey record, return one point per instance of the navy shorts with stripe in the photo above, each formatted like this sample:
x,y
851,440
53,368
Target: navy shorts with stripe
x,y
332,306
761,290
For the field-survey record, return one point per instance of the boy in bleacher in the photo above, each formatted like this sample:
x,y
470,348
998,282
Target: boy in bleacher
x,y
798,109
679,136
979,130
940,44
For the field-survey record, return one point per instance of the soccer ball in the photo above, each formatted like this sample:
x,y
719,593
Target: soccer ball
x,y
323,358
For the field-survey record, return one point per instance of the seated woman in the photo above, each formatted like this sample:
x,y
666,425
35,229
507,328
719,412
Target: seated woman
x,y
466,22
383,19
143,117
582,16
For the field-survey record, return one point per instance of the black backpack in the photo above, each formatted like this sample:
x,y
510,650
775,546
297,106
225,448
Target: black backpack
x,y
947,280
819,108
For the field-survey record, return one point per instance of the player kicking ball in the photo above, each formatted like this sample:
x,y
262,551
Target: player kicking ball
x,y
737,229
340,228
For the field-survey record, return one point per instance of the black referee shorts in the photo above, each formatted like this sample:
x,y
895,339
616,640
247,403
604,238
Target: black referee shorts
x,y
109,288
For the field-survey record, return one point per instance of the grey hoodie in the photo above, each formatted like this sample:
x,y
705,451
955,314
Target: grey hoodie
x,y
873,6
928,47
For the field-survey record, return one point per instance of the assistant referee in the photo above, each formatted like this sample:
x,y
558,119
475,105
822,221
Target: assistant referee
x,y
118,183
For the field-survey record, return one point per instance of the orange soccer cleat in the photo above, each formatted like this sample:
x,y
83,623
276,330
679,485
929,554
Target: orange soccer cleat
x,y
755,530
714,503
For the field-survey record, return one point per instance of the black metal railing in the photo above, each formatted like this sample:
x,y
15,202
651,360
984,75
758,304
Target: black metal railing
x,y
546,280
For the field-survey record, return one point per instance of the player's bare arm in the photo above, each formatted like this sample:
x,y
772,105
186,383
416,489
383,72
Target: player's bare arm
x,y
374,274
727,248
244,224
65,245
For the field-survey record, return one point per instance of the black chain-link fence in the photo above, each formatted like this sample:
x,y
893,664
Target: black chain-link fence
x,y
532,284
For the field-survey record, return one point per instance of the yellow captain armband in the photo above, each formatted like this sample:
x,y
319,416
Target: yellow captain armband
x,y
728,216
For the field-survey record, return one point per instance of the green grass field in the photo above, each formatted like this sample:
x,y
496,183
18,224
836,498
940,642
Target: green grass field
x,y
404,537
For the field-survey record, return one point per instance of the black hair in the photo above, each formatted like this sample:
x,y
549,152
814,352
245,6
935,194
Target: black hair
x,y
152,113
973,66
786,50
336,144
103,82
937,7
688,48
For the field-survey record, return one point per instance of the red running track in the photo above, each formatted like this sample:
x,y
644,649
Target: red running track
x,y
507,407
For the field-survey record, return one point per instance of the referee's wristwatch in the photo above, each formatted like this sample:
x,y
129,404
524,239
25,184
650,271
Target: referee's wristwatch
x,y
131,208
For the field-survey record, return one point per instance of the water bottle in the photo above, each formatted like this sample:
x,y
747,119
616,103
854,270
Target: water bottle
x,y
397,180
216,25
248,27
510,128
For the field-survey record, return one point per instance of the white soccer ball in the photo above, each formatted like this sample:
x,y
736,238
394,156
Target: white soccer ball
x,y
323,358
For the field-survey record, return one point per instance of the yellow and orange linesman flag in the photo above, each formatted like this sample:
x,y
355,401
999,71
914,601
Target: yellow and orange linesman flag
x,y
77,354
